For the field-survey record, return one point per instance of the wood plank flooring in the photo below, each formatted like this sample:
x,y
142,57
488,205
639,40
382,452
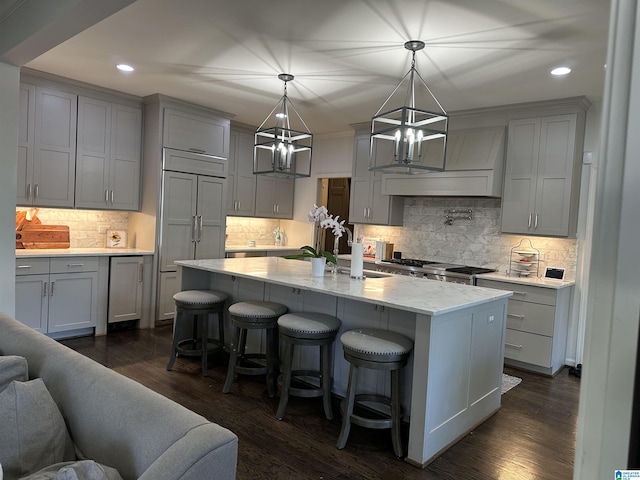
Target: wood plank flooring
x,y
531,437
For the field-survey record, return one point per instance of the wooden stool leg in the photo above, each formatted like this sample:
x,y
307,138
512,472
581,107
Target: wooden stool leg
x,y
348,411
286,379
325,381
204,341
271,358
174,344
233,360
221,329
395,413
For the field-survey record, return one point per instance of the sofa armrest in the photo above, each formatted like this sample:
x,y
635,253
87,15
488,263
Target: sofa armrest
x,y
202,451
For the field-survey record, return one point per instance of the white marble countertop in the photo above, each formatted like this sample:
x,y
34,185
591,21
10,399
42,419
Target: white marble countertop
x,y
79,252
417,295
247,248
530,280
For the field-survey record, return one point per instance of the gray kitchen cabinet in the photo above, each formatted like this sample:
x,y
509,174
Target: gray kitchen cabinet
x,y
47,147
126,282
56,295
537,322
108,155
542,175
367,203
194,133
274,197
241,194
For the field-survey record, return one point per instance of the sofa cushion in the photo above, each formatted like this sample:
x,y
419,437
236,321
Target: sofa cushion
x,y
81,470
33,434
12,368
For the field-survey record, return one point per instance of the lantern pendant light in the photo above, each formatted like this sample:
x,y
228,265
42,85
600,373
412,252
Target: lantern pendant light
x,y
283,149
409,139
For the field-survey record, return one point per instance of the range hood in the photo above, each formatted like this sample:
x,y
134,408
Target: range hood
x,y
474,168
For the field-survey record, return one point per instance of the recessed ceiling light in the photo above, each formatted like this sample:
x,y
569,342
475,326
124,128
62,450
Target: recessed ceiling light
x,y
560,71
124,67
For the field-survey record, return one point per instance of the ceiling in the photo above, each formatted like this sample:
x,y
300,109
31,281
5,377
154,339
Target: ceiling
x,y
346,55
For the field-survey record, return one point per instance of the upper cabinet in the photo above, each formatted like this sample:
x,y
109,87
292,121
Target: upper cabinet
x,y
193,133
367,202
108,156
274,197
241,182
542,175
47,147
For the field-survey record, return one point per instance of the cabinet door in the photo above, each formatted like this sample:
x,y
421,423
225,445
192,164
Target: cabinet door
x,y
555,172
168,286
125,161
125,289
55,148
185,131
380,204
73,301
241,182
32,301
211,218
283,195
265,199
521,171
359,202
26,114
92,165
179,197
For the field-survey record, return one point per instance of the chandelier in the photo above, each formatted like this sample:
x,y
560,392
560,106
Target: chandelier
x,y
408,139
281,150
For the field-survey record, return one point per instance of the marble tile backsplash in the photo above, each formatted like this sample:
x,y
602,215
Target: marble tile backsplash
x,y
476,242
242,229
87,228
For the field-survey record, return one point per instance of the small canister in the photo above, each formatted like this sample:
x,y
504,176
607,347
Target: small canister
x,y
388,253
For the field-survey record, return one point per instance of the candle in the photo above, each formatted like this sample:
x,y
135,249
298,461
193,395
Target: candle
x,y
356,260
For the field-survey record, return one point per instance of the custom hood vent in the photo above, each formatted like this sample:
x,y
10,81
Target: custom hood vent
x,y
474,168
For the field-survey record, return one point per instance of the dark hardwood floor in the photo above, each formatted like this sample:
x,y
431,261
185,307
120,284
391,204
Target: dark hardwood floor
x,y
531,437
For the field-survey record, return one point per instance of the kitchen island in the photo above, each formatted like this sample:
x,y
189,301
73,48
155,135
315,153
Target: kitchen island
x,y
453,380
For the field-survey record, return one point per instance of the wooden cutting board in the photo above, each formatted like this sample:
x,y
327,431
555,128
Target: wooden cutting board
x,y
43,236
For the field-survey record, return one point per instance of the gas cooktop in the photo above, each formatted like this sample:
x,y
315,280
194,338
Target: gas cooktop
x,y
434,265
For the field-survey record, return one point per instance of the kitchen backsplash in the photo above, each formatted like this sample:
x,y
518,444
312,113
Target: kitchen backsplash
x,y
240,230
87,228
476,242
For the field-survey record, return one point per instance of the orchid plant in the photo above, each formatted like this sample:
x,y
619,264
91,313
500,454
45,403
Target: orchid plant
x,y
324,221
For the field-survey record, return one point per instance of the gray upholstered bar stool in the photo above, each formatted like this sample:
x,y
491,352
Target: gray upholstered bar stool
x,y
378,350
307,329
197,305
252,315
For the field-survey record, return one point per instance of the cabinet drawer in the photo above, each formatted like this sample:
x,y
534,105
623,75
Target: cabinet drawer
x,y
528,348
526,293
178,161
32,266
185,131
530,317
74,264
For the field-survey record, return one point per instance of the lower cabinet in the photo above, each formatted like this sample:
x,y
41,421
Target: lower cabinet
x,y
57,294
169,286
537,321
126,280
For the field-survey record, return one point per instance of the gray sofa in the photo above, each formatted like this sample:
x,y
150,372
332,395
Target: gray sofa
x,y
118,422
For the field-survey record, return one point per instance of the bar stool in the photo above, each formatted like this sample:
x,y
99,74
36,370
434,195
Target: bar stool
x,y
378,350
307,329
254,315
197,305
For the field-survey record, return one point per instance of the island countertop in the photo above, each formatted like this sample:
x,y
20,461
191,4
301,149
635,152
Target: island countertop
x,y
430,297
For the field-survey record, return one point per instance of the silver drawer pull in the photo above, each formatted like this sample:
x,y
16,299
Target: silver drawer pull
x,y
44,289
519,293
196,150
513,315
75,264
512,345
23,266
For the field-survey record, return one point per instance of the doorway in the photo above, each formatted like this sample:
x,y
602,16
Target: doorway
x,y
334,193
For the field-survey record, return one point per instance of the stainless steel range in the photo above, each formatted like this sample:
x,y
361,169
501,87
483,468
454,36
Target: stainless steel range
x,y
445,272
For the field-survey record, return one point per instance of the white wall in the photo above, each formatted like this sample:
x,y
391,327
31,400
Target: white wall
x,y
9,94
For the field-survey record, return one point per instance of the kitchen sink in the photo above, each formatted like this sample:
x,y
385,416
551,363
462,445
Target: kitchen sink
x,y
367,273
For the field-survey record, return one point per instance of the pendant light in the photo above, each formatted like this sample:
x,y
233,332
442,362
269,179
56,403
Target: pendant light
x,y
408,139
284,149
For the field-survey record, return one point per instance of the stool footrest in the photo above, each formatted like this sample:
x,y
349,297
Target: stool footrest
x,y
188,347
368,422
256,369
309,390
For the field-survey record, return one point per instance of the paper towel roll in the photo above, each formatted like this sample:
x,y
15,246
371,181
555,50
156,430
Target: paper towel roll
x,y
356,260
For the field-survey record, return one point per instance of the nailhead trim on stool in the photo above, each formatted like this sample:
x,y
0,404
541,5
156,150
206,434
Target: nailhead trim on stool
x,y
252,315
307,329
378,350
198,305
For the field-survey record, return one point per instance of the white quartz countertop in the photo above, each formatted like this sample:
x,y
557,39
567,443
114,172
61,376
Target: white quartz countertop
x,y
79,252
530,280
430,297
247,248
